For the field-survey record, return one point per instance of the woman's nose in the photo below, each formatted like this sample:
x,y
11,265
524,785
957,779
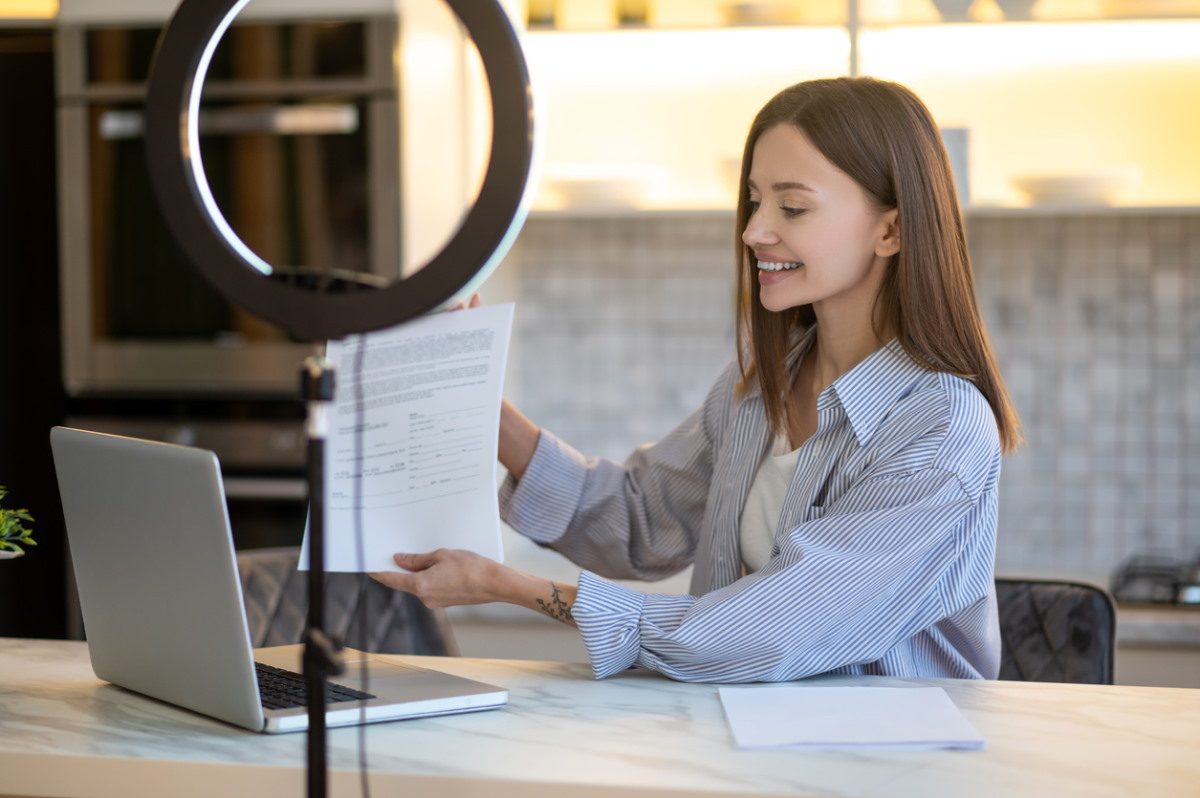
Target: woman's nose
x,y
758,232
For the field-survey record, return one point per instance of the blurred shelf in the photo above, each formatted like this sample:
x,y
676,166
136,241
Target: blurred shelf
x,y
867,23
26,22
1081,209
630,213
972,23
645,30
981,211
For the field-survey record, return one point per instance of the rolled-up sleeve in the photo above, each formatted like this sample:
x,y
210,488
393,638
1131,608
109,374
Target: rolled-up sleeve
x,y
634,520
542,503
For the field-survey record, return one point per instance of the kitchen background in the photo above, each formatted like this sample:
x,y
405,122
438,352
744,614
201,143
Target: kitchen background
x,y
1081,195
1095,316
1072,124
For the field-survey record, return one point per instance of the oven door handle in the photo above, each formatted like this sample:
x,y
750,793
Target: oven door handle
x,y
283,120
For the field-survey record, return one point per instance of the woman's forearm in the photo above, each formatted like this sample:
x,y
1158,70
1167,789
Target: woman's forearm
x,y
553,599
518,440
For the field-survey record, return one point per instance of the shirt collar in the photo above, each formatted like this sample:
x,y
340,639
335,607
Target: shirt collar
x,y
868,391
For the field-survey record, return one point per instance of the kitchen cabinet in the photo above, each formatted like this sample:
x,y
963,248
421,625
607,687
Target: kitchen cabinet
x,y
1085,99
1158,645
1081,89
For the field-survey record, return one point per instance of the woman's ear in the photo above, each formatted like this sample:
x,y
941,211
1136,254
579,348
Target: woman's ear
x,y
889,239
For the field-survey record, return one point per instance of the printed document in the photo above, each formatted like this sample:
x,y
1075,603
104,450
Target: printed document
x,y
809,716
410,457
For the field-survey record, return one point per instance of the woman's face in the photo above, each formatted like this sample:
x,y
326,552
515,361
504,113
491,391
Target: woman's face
x,y
817,237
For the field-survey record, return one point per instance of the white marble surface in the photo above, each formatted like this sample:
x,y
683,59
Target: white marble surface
x,y
63,732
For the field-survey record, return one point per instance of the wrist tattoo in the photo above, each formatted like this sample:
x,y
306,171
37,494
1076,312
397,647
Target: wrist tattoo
x,y
556,608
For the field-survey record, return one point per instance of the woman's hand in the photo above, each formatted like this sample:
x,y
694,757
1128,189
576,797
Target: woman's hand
x,y
453,578
474,302
447,578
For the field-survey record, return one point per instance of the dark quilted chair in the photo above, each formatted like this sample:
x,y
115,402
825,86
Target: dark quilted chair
x,y
390,622
1055,631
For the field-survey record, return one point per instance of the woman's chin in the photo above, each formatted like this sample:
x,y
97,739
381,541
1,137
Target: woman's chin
x,y
776,297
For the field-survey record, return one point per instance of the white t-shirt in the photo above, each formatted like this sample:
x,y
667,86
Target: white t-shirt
x,y
764,503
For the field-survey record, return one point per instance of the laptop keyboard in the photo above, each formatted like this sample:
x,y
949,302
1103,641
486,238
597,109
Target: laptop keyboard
x,y
283,689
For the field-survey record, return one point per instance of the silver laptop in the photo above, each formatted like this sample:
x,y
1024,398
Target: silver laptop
x,y
162,602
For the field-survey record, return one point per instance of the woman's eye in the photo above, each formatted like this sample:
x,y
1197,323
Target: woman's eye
x,y
752,205
792,211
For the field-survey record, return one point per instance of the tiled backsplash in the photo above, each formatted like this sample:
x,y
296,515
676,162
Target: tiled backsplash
x,y
623,322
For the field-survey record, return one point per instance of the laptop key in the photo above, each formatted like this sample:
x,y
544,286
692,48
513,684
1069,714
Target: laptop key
x,y
283,689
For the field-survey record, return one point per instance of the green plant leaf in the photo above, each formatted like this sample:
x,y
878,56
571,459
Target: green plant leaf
x,y
11,529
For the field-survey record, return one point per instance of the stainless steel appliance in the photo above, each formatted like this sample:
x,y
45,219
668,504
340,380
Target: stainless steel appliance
x,y
1158,579
301,151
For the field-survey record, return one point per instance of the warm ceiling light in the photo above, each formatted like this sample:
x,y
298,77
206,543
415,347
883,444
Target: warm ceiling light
x,y
28,9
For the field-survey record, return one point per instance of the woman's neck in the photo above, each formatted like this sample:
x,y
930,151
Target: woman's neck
x,y
837,349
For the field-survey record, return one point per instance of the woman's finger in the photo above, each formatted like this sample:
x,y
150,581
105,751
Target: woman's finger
x,y
474,302
417,562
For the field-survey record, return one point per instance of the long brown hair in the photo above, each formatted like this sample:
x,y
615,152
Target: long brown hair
x,y
881,135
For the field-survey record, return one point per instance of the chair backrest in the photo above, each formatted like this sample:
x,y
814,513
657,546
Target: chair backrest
x,y
359,611
1055,631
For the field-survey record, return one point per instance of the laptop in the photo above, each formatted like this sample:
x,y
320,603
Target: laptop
x,y
162,607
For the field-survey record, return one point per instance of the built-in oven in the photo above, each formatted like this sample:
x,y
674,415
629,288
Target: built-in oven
x,y
299,143
334,136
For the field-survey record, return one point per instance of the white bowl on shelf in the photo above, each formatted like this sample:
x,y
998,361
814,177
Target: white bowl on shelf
x,y
602,185
954,10
1017,9
783,12
1095,187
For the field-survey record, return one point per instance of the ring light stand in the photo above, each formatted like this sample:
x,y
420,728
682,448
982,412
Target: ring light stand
x,y
317,306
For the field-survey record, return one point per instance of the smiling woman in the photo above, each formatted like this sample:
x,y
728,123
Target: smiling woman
x,y
836,492
818,238
882,179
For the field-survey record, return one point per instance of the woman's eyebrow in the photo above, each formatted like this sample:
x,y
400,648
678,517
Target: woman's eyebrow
x,y
791,186
785,186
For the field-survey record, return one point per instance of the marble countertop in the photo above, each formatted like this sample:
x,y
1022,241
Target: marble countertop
x,y
63,732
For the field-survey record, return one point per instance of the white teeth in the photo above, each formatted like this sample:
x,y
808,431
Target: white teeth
x,y
767,266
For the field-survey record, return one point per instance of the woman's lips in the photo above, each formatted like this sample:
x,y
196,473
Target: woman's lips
x,y
771,278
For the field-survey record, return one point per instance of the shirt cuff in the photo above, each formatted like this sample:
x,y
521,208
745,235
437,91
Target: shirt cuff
x,y
541,504
609,619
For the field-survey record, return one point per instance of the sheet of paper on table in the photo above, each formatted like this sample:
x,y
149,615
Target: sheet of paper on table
x,y
425,396
817,717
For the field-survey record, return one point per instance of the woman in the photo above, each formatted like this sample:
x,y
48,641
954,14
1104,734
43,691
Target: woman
x,y
836,493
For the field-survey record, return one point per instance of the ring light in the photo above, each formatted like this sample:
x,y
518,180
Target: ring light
x,y
321,306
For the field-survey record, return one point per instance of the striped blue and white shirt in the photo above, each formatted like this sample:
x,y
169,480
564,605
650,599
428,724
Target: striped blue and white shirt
x,y
882,560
